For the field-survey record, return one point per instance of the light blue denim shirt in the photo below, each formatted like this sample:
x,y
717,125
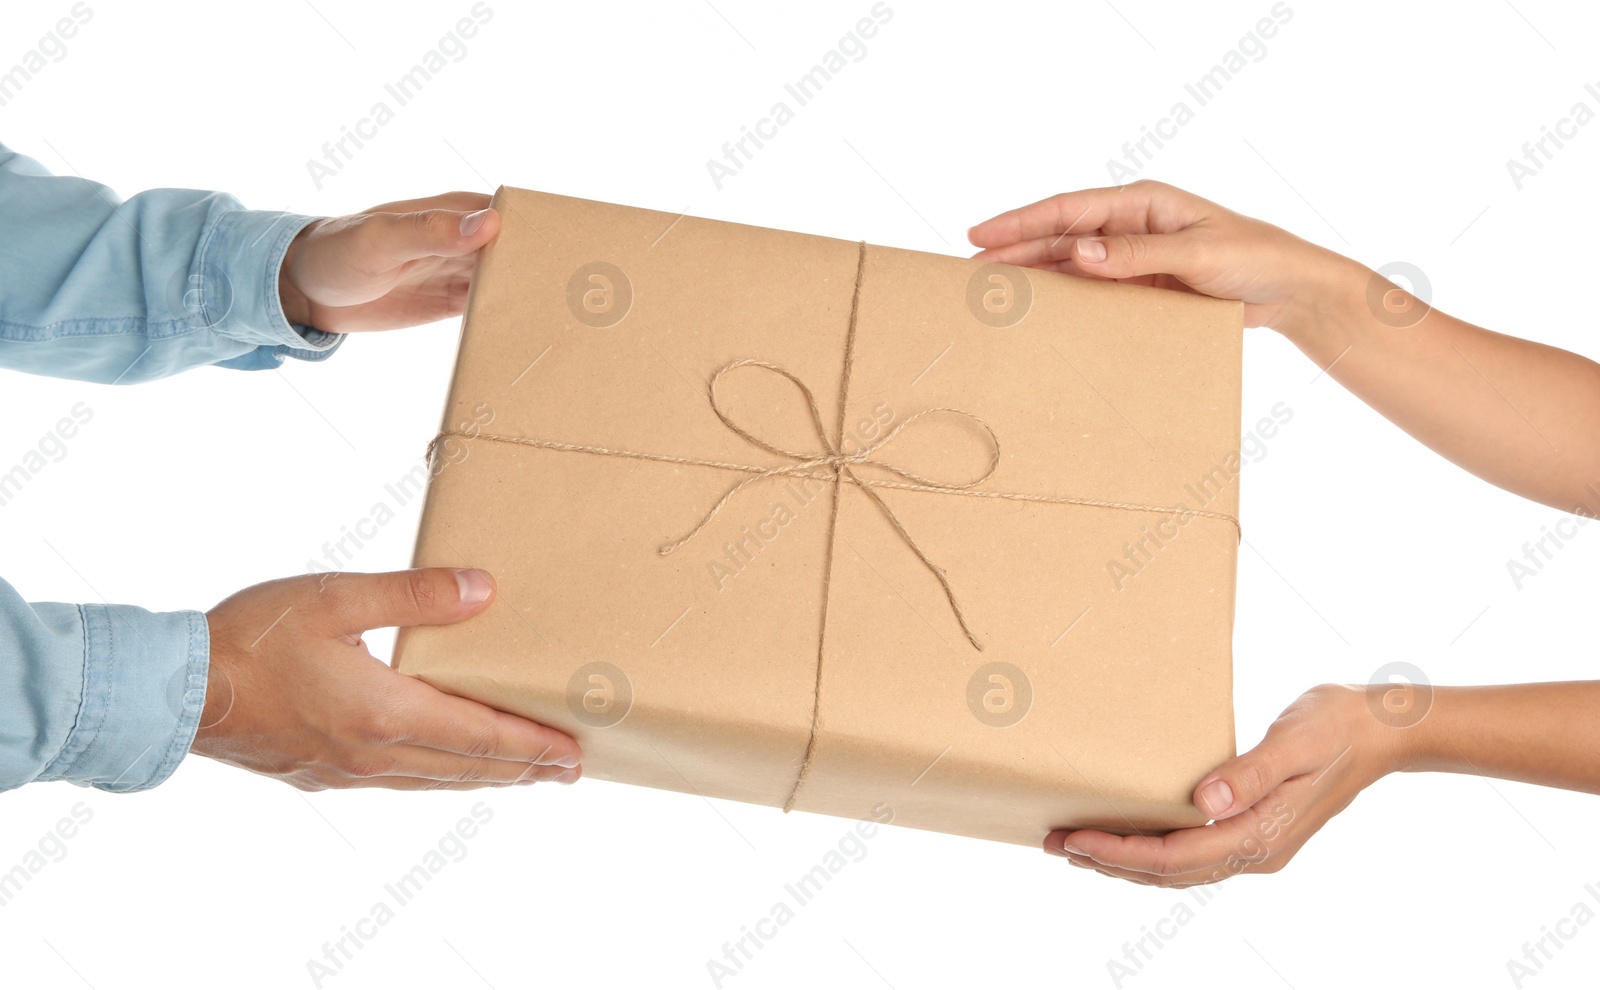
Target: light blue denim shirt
x,y
105,290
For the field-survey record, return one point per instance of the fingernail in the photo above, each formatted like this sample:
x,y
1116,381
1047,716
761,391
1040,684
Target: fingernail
x,y
472,222
566,761
1216,798
525,781
1091,250
567,776
475,586
1074,850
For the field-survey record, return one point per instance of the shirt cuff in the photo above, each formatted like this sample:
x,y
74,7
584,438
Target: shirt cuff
x,y
235,292
144,687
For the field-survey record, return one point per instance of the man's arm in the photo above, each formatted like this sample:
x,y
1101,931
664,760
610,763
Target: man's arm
x,y
113,696
105,695
100,289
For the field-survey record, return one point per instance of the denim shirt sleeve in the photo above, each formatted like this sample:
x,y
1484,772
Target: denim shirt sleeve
x,y
103,695
102,290
105,290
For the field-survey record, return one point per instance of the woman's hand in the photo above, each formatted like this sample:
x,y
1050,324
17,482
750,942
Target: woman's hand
x,y
1321,752
1151,233
395,265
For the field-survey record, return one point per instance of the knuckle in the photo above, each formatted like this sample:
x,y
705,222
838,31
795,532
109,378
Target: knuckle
x,y
1255,777
477,770
310,782
369,766
419,590
376,726
369,232
485,740
338,591
428,223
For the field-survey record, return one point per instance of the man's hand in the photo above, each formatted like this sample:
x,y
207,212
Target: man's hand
x,y
1321,752
294,694
396,265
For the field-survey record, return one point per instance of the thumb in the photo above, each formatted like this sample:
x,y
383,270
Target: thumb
x,y
1242,781
425,596
1130,255
402,237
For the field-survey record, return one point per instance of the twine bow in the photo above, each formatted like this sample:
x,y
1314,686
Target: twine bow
x,y
836,466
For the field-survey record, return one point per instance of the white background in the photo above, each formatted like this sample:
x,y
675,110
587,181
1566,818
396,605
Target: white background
x,y
1379,129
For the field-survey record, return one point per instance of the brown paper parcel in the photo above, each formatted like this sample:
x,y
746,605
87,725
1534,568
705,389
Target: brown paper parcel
x,y
1046,463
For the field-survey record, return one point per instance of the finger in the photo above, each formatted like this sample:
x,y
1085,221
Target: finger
x,y
431,718
1140,205
431,764
1236,840
1132,255
390,239
1150,880
1242,782
463,201
350,603
427,784
1036,251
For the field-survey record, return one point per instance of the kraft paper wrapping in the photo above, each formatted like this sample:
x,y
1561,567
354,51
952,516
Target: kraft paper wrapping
x,y
800,649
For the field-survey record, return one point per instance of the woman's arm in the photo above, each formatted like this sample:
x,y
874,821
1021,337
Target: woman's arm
x,y
1518,414
1334,742
1538,733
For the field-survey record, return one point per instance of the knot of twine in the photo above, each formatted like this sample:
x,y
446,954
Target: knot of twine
x,y
834,465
